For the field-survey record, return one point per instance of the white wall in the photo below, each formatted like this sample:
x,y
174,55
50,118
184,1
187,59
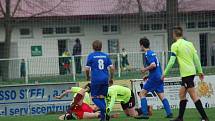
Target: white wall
x,y
128,37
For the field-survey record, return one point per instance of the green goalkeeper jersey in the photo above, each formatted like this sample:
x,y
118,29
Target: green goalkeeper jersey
x,y
119,94
187,57
87,99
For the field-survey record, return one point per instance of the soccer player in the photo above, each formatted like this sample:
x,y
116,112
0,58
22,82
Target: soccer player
x,y
189,63
99,64
154,82
79,109
75,90
125,96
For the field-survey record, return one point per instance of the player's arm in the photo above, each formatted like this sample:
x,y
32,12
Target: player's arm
x,y
87,68
197,64
110,105
152,60
87,72
111,68
171,60
63,94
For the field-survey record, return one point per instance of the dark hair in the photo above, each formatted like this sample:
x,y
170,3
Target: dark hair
x,y
178,31
87,86
77,40
145,42
97,45
110,82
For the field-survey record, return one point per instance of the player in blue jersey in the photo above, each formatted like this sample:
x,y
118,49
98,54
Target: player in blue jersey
x,y
97,70
154,82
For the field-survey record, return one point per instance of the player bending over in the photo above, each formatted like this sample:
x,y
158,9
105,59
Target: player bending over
x,y
99,64
189,63
125,96
154,82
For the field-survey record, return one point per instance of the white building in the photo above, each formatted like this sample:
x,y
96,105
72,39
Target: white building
x,y
116,31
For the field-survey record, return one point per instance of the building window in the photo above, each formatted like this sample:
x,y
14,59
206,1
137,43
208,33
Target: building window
x,y
75,29
203,24
114,28
106,28
47,30
61,30
110,28
156,26
25,31
191,25
212,23
203,40
144,27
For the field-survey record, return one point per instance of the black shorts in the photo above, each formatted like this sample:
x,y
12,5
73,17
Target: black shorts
x,y
188,82
130,103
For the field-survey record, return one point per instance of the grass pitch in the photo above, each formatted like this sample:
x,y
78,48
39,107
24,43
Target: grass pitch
x,y
190,115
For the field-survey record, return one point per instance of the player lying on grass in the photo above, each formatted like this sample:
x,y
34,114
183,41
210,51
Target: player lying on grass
x,y
189,64
74,91
125,96
154,82
79,109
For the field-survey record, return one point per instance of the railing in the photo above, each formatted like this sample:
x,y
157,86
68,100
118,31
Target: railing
x,y
67,69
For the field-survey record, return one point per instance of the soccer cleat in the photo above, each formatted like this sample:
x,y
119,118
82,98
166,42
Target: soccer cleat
x,y
177,119
142,117
169,116
204,120
71,116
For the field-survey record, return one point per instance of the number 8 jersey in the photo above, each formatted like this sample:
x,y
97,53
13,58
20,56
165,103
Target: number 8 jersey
x,y
99,63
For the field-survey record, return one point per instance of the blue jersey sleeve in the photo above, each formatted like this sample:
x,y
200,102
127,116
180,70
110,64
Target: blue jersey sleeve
x,y
151,58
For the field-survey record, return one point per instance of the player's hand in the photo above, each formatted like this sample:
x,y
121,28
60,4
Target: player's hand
x,y
145,78
57,97
162,77
143,70
201,76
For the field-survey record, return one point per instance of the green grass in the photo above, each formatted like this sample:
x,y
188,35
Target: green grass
x,y
190,115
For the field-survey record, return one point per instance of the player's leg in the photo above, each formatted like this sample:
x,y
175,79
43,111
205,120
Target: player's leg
x,y
160,93
98,93
166,105
192,92
129,108
183,101
147,88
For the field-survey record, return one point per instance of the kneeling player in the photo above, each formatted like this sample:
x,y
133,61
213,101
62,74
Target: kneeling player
x,y
126,97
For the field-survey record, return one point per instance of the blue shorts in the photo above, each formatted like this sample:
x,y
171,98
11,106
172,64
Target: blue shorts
x,y
157,86
99,89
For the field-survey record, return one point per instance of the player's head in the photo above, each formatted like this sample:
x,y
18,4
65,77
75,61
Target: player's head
x,y
144,43
87,87
177,32
110,82
77,40
97,45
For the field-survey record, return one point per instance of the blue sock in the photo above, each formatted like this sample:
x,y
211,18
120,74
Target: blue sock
x,y
166,106
144,106
101,105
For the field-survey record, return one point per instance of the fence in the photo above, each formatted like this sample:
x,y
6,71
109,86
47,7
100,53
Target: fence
x,y
71,69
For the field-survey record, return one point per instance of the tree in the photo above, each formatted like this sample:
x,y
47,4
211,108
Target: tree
x,y
9,9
